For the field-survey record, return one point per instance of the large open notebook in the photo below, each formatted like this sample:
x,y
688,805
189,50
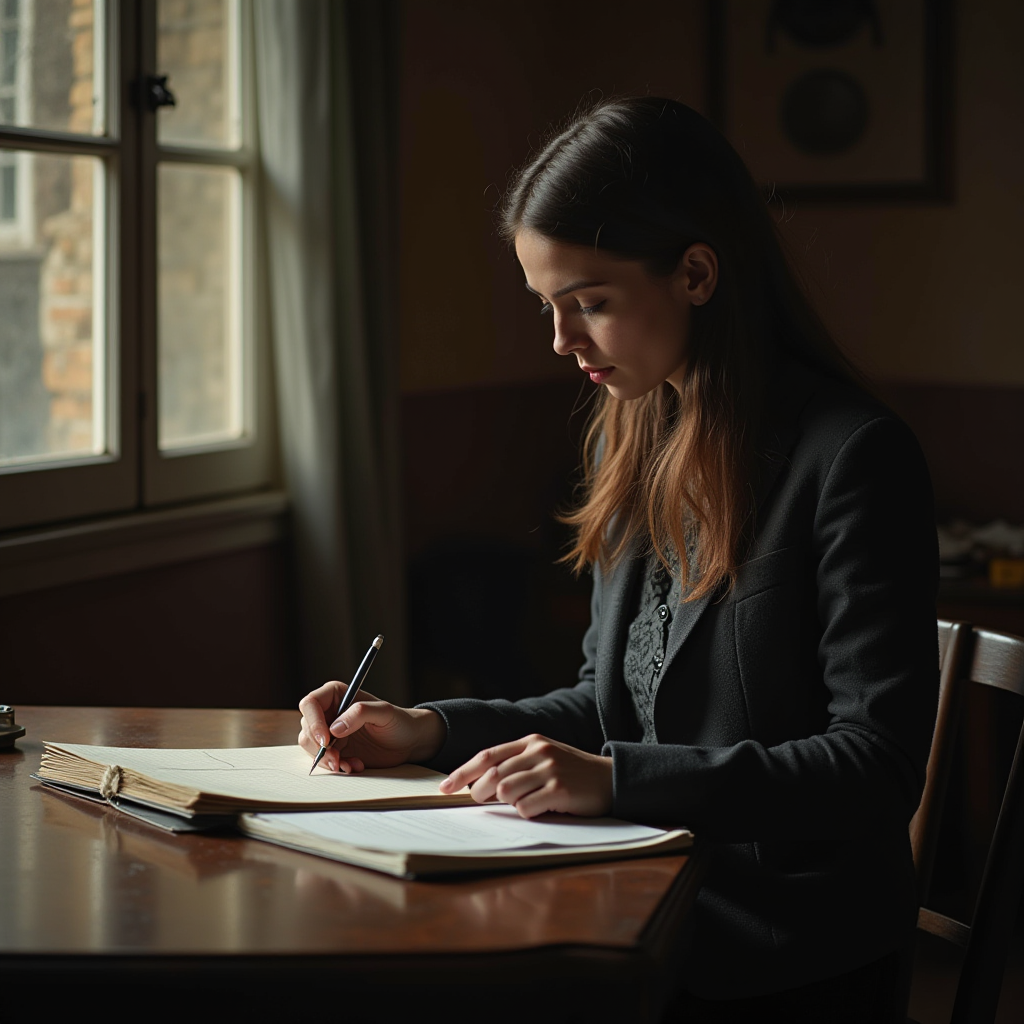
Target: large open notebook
x,y
173,787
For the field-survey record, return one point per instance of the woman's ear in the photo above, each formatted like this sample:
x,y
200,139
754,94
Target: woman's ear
x,y
696,274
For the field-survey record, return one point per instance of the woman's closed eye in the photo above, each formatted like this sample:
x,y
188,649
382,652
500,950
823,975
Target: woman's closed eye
x,y
546,308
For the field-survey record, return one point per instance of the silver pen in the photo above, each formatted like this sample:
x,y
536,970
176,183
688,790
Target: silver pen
x,y
352,691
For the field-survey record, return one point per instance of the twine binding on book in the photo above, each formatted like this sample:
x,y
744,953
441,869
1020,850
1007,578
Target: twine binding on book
x,y
110,784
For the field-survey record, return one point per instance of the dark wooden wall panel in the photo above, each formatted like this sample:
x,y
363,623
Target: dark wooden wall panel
x,y
484,470
213,632
973,438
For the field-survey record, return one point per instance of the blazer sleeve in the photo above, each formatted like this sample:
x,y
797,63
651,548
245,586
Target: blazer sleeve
x,y
874,569
568,715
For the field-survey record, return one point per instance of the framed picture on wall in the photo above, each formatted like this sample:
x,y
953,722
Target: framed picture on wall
x,y
836,100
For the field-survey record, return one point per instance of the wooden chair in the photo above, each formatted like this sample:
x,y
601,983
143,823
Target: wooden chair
x,y
954,643
980,657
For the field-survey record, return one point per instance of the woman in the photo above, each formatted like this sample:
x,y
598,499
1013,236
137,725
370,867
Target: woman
x,y
761,660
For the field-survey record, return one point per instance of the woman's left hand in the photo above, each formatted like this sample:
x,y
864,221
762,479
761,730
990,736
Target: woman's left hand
x,y
534,775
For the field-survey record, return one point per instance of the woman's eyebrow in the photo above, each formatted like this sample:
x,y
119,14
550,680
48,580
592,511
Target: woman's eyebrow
x,y
574,287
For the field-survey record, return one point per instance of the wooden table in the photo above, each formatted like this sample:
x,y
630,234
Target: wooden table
x,y
96,908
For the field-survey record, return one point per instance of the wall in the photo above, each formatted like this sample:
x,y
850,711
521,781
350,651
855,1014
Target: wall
x,y
925,297
922,296
924,293
930,293
213,632
480,84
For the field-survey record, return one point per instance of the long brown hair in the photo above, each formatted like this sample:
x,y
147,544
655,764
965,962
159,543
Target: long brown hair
x,y
643,179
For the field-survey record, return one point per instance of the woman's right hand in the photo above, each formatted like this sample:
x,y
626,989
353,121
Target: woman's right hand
x,y
371,734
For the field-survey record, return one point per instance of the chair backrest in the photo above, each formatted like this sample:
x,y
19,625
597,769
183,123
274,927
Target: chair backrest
x,y
979,657
954,644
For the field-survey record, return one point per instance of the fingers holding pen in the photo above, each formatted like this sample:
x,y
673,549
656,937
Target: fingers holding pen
x,y
377,734
314,708
370,733
365,711
314,732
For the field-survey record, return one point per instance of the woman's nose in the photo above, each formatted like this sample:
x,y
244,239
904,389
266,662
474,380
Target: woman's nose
x,y
568,339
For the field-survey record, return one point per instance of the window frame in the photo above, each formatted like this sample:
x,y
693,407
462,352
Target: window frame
x,y
133,475
17,231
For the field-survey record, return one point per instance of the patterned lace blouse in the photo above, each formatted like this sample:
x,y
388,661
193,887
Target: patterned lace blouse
x,y
660,596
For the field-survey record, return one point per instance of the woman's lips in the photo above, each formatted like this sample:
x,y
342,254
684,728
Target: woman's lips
x,y
598,374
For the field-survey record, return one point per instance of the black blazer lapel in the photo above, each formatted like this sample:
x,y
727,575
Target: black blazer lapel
x,y
617,598
684,618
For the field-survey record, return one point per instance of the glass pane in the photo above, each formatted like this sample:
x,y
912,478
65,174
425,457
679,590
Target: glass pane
x,y
196,50
51,65
200,359
51,331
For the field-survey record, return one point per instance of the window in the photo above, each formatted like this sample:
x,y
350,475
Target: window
x,y
15,212
131,369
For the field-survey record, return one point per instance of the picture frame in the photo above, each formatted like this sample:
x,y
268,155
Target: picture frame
x,y
836,101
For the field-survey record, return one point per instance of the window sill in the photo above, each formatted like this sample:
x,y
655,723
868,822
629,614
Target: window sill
x,y
58,556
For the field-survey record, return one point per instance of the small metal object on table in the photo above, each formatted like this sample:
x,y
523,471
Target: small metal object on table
x,y
9,729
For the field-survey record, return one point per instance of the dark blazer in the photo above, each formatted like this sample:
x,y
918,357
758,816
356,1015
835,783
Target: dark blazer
x,y
794,712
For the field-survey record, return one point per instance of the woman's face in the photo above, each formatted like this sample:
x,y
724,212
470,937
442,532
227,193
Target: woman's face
x,y
627,328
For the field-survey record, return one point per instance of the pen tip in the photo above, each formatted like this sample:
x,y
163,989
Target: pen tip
x,y
378,641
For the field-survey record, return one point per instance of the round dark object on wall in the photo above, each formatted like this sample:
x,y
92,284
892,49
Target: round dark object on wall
x,y
824,112
823,22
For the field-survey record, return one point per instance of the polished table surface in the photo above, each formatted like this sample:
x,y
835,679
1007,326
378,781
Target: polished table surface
x,y
91,898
